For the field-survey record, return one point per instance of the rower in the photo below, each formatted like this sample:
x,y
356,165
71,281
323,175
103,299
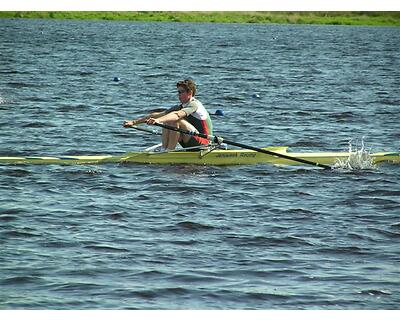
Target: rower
x,y
189,115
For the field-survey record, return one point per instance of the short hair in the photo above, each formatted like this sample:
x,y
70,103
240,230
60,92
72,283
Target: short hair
x,y
188,84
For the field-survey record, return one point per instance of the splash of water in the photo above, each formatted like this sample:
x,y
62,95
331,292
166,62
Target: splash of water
x,y
357,159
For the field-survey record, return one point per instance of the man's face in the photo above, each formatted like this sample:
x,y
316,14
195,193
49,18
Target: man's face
x,y
184,96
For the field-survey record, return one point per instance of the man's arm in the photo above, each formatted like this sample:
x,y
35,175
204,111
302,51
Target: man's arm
x,y
172,116
153,115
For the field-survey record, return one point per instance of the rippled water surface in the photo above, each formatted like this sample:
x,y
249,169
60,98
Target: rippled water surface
x,y
192,237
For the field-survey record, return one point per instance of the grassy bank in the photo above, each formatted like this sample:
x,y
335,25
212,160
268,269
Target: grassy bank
x,y
311,17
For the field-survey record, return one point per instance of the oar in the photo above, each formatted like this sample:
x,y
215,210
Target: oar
x,y
146,130
157,110
219,140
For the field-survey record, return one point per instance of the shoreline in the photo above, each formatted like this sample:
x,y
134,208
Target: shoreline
x,y
361,18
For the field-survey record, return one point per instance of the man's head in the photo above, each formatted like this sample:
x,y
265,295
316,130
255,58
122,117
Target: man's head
x,y
187,85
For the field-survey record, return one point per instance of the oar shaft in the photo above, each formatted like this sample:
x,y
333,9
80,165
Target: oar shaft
x,y
146,130
240,145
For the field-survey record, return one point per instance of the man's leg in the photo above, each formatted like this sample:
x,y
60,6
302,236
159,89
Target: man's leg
x,y
183,124
171,138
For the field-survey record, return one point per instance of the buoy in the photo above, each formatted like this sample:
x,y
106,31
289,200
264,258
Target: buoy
x,y
116,79
219,112
256,96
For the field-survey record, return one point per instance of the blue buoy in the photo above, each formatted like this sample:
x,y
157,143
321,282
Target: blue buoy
x,y
219,112
256,96
117,79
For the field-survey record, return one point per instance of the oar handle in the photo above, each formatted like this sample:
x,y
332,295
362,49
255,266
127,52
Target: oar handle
x,y
240,145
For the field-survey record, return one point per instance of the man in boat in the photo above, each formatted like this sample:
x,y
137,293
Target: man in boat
x,y
190,115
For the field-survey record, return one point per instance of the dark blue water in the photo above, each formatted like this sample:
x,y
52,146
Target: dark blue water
x,y
192,237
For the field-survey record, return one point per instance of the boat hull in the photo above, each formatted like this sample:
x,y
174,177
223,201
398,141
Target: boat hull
x,y
216,158
249,157
63,160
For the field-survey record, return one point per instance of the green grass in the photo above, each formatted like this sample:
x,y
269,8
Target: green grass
x,y
370,18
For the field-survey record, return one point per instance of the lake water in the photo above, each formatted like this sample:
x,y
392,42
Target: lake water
x,y
193,237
